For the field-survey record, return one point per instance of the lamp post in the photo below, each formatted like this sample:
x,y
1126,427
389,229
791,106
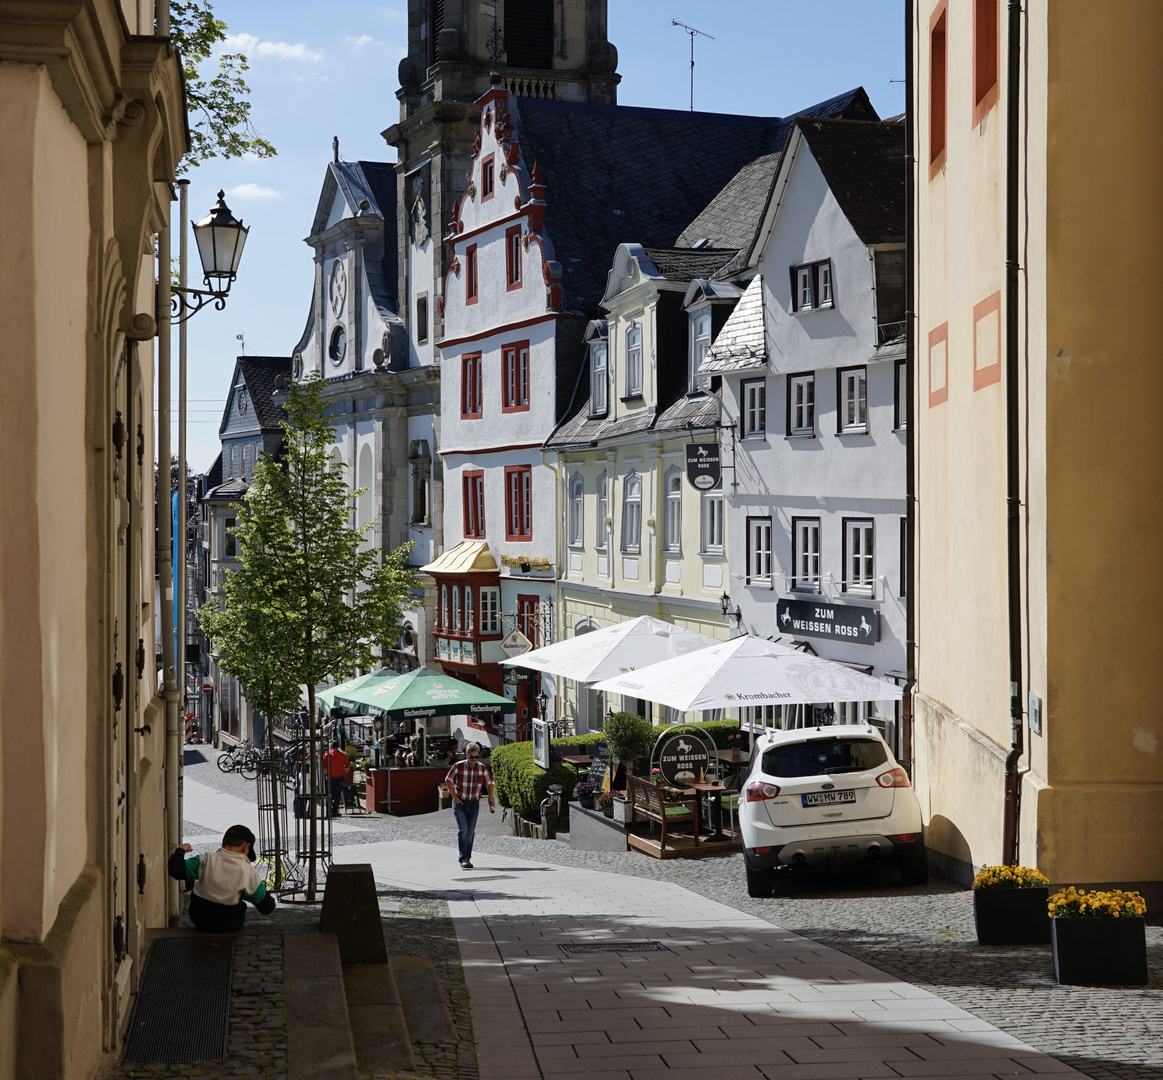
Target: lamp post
x,y
220,238
735,616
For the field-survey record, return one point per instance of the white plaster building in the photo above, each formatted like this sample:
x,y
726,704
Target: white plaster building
x,y
812,367
383,395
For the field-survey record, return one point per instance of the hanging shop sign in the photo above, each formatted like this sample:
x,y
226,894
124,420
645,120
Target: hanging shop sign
x,y
836,622
514,643
704,465
683,759
525,564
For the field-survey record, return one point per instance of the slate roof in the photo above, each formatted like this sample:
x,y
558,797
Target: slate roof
x,y
732,217
615,173
260,374
740,343
376,182
232,489
212,477
683,264
864,164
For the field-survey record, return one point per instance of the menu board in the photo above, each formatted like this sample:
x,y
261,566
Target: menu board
x,y
600,767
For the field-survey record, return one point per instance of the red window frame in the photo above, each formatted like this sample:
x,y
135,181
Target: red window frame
x,y
518,503
513,259
986,57
938,89
488,178
472,486
471,386
515,377
470,274
528,620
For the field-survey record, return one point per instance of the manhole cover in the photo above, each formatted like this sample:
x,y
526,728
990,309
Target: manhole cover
x,y
493,877
624,947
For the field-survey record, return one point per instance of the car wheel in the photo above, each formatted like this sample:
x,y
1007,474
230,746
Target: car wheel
x,y
914,868
760,883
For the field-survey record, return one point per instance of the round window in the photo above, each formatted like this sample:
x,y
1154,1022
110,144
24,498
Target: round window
x,y
338,345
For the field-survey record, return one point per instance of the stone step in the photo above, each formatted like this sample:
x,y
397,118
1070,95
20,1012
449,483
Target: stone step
x,y
378,1027
319,1034
425,1011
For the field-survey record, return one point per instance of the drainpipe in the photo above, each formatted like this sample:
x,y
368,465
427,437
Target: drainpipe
x,y
1013,793
906,735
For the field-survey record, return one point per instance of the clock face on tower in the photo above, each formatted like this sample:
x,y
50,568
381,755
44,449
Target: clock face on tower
x,y
337,287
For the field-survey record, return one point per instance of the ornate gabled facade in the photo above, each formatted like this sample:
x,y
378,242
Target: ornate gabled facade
x,y
251,425
383,396
509,359
638,537
93,126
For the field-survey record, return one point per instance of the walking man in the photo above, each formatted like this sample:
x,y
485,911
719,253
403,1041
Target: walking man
x,y
335,763
468,780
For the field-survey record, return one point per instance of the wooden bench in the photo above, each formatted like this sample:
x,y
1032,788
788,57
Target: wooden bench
x,y
646,799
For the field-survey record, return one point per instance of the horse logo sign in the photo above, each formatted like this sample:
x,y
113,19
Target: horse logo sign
x,y
704,467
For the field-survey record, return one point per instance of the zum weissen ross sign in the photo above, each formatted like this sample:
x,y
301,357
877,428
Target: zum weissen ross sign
x,y
837,622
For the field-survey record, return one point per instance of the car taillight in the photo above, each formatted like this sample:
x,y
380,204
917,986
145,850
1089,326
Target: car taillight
x,y
893,778
758,791
906,837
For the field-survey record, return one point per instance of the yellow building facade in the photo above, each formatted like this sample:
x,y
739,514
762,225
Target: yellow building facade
x,y
637,537
92,125
1038,142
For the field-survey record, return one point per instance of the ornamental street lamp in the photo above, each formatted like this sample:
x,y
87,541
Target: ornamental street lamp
x,y
220,237
725,605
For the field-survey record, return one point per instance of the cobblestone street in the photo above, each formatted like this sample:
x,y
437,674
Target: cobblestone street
x,y
922,935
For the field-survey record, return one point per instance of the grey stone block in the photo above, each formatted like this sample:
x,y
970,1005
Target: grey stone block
x,y
351,912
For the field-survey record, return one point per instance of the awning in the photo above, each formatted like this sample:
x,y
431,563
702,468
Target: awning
x,y
467,557
415,694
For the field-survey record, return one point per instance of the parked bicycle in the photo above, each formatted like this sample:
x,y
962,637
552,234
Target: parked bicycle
x,y
242,759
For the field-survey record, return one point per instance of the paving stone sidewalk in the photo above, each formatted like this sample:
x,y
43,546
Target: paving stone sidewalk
x,y
924,935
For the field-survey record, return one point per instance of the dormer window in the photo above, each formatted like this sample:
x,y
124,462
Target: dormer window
x,y
812,286
634,360
598,379
700,345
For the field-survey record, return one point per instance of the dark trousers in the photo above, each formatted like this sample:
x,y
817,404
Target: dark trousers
x,y
466,825
336,794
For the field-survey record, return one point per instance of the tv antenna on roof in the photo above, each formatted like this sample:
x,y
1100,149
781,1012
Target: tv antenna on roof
x,y
693,32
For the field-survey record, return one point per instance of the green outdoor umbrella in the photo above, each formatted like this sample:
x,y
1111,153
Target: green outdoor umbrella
x,y
414,695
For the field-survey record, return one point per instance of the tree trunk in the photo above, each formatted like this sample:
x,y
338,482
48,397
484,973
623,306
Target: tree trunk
x,y
275,781
313,844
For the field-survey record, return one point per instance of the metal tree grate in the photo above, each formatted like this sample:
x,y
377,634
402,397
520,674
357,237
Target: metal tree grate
x,y
182,1011
623,947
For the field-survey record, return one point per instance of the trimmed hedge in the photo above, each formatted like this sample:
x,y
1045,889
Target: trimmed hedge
x,y
521,784
718,730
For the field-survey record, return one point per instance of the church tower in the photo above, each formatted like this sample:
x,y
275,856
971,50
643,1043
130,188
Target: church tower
x,y
552,50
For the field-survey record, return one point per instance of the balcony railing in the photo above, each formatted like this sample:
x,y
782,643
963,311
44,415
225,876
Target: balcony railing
x,y
890,331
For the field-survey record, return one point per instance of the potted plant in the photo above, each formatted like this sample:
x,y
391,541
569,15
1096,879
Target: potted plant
x,y
622,809
604,801
629,737
1098,938
584,791
735,745
1009,906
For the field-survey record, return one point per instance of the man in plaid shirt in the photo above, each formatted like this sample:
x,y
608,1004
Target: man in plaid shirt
x,y
467,780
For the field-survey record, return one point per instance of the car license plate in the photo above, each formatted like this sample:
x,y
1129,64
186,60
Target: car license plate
x,y
828,798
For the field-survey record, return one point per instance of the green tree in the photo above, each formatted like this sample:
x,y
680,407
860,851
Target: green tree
x,y
217,100
312,598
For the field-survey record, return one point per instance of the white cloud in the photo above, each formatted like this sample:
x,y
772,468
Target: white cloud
x,y
362,42
280,50
253,191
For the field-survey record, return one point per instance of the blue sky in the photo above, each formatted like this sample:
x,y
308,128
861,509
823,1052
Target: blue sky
x,y
318,70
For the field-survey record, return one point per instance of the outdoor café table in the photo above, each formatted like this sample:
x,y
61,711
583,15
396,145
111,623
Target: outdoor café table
x,y
582,761
715,790
734,757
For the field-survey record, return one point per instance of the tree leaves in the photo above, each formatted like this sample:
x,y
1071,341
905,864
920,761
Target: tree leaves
x,y
217,100
312,598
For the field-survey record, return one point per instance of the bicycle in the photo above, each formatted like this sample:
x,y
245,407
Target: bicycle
x,y
241,759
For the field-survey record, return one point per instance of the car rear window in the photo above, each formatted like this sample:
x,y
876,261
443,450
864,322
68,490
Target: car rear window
x,y
824,756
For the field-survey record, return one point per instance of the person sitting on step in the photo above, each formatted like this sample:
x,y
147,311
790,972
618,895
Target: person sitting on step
x,y
222,880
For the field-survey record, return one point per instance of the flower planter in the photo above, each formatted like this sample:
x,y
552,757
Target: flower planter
x,y
1099,951
1011,916
608,810
622,810
586,802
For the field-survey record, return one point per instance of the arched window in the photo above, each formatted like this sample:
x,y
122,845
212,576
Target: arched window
x,y
576,511
672,517
632,514
603,540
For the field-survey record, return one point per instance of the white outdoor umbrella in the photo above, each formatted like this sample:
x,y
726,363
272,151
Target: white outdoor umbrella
x,y
745,672
613,650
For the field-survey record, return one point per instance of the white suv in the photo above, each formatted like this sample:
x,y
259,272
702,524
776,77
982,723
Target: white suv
x,y
827,796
